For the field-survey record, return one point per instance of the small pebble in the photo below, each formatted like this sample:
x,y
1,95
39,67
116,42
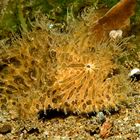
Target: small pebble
x,y
101,117
46,133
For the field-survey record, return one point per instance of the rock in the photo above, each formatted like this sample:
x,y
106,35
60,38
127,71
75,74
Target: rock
x,y
5,129
33,130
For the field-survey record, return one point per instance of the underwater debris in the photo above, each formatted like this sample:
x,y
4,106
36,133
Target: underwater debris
x,y
115,34
105,129
118,17
135,74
